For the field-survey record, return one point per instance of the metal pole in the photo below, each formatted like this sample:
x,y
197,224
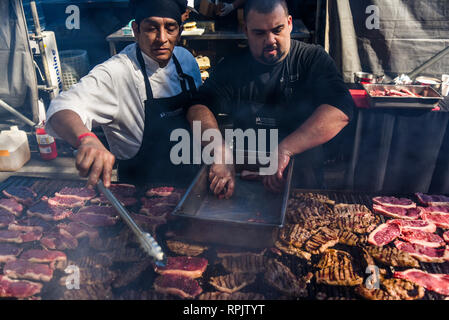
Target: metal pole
x,y
37,25
8,108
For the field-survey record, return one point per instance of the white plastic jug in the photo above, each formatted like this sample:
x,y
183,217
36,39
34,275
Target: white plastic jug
x,y
14,149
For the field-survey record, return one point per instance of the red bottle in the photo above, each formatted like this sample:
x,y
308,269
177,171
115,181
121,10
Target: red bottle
x,y
46,144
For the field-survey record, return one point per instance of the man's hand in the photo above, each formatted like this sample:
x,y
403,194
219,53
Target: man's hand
x,y
94,160
275,183
226,9
222,180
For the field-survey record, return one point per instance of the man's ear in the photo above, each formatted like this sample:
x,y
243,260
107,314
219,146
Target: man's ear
x,y
290,23
136,28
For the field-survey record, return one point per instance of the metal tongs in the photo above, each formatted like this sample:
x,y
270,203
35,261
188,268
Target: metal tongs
x,y
147,242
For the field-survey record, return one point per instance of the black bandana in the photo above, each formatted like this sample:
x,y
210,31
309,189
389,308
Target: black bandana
x,y
158,8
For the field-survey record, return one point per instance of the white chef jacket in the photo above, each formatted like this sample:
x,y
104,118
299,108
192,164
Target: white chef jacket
x,y
112,96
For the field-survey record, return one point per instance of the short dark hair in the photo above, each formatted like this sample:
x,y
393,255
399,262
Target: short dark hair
x,y
264,6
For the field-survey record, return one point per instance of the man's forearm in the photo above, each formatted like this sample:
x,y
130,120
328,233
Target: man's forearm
x,y
323,125
205,116
68,125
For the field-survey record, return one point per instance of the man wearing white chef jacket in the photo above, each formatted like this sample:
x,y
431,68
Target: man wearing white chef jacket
x,y
138,97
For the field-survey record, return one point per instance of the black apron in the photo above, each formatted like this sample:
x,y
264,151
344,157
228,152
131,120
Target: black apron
x,y
152,164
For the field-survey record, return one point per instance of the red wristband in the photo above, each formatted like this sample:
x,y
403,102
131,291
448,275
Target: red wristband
x,y
87,134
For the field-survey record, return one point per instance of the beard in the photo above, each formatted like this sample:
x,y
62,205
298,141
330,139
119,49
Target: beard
x,y
273,59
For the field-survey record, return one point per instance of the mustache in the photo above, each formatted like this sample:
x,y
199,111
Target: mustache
x,y
269,48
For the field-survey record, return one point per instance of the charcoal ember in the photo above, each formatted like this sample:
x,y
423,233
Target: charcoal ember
x,y
233,282
12,206
232,296
89,292
21,194
186,249
131,274
249,263
281,278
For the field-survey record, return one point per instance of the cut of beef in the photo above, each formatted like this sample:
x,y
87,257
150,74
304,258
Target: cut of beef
x,y
156,208
82,194
434,282
147,223
407,225
392,256
23,195
164,192
60,241
394,202
181,286
65,202
30,236
423,253
247,263
37,222
384,234
9,252
107,210
93,219
423,238
398,212
125,201
79,230
122,189
23,269
432,200
186,249
6,218
443,210
231,296
24,228
43,256
440,220
10,288
280,277
233,282
18,236
12,206
48,212
184,266
446,236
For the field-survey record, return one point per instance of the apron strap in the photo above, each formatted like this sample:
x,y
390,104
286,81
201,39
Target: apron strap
x,y
144,72
185,77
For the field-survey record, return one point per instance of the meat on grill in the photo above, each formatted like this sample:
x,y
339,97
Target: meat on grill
x,y
249,263
292,250
333,257
23,269
443,210
345,209
48,212
394,202
392,256
184,266
360,223
338,275
440,220
90,292
11,205
432,200
233,282
124,200
36,222
147,223
82,194
232,296
100,260
131,274
312,196
79,230
65,202
410,225
18,236
403,289
9,252
294,234
55,258
185,249
123,189
322,240
24,228
446,236
280,277
384,234
236,252
165,192
184,287
373,294
156,208
107,210
423,253
21,289
6,218
23,195
398,212
351,239
424,238
61,240
93,219
434,282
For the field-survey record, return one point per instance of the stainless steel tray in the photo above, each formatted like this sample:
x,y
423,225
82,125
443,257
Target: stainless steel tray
x,y
429,99
247,219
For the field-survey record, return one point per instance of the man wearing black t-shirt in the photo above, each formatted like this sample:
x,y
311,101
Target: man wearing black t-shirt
x,y
279,83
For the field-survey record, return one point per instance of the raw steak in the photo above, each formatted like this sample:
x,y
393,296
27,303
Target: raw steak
x,y
434,282
37,222
18,236
423,238
10,288
23,269
60,241
31,236
407,225
398,212
394,202
432,200
446,236
122,189
161,191
181,286
79,230
159,202
48,212
19,227
43,256
6,218
9,252
12,206
423,253
82,194
125,201
23,195
184,266
107,210
443,210
440,220
65,202
384,234
94,220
